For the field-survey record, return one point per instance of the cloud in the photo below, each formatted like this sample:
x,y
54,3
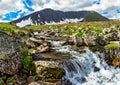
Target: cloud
x,y
29,6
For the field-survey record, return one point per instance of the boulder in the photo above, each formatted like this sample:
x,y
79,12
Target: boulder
x,y
49,66
10,54
40,40
89,42
110,52
77,40
43,48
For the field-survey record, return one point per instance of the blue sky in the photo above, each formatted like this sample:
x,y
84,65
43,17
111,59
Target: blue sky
x,y
13,9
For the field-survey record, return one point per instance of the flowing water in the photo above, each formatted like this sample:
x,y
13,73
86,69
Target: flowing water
x,y
87,68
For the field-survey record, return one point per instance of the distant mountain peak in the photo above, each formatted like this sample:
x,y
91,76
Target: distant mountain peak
x,y
47,16
47,9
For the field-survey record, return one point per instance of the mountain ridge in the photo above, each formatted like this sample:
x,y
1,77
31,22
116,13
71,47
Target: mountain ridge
x,y
49,15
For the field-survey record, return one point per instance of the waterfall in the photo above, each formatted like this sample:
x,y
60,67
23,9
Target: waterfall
x,y
87,68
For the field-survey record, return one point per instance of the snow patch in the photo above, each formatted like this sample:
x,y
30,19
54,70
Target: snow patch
x,y
25,22
29,22
64,21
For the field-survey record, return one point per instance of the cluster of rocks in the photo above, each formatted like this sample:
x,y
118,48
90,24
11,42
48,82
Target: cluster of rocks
x,y
39,44
45,69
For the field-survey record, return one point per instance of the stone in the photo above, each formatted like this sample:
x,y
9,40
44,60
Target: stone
x,y
30,79
48,67
110,54
89,42
35,83
77,40
20,79
100,41
43,48
10,54
116,42
50,64
116,61
30,43
40,41
46,83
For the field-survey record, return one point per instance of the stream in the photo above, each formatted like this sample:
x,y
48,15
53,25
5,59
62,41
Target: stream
x,y
87,68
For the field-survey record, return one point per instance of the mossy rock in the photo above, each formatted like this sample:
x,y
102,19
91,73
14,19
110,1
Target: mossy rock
x,y
112,46
50,74
11,80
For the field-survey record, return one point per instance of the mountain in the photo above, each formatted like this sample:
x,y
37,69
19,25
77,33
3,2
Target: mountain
x,y
48,16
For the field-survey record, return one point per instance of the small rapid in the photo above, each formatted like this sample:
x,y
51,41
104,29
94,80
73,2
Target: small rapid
x,y
87,68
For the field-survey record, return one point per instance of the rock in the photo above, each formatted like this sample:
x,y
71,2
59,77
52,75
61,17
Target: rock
x,y
2,82
50,64
116,61
11,81
40,41
20,79
77,40
89,42
30,79
46,83
35,83
110,52
48,70
49,67
116,42
43,48
30,43
100,41
10,54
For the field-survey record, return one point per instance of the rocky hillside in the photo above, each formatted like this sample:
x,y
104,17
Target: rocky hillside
x,y
52,16
36,55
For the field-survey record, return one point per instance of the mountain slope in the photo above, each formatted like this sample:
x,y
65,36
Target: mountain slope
x,y
52,16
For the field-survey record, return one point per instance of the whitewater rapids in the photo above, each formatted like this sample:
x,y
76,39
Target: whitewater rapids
x,y
87,68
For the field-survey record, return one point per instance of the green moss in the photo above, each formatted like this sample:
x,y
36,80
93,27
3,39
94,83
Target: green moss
x,y
27,62
4,77
3,57
50,73
30,50
11,80
23,49
112,46
2,83
80,34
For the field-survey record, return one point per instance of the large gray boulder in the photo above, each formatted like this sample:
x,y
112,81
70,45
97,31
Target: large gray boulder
x,y
10,54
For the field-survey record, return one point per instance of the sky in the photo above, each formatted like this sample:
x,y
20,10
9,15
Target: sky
x,y
14,9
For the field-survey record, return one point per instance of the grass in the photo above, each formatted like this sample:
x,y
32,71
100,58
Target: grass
x,y
9,29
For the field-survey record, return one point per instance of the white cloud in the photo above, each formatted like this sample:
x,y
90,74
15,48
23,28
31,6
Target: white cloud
x,y
7,6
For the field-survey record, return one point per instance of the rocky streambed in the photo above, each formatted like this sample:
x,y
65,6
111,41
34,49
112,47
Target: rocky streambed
x,y
38,59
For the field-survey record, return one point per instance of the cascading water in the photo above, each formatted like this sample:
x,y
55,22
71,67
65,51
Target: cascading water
x,y
87,69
